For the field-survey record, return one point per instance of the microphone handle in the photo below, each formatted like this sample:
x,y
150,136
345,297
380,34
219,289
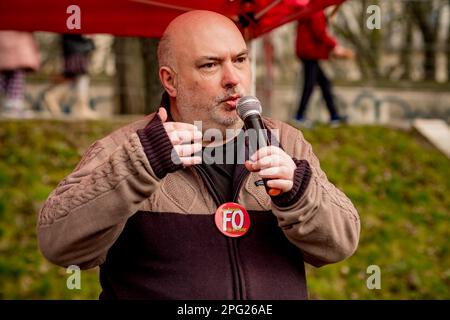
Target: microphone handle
x,y
259,140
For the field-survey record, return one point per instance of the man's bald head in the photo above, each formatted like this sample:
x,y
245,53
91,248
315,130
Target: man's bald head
x,y
184,28
204,68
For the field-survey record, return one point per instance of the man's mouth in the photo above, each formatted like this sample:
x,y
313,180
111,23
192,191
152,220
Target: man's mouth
x,y
232,101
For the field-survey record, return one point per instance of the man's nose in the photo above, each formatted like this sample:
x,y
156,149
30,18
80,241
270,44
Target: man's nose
x,y
230,76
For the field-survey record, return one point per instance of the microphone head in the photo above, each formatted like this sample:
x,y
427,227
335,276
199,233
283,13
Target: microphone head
x,y
248,105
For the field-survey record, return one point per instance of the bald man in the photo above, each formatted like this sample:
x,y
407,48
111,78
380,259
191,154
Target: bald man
x,y
155,207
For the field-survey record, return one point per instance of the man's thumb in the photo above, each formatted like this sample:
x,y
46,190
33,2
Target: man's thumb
x,y
162,114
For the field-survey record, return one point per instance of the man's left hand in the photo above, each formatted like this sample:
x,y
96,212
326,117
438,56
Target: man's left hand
x,y
274,164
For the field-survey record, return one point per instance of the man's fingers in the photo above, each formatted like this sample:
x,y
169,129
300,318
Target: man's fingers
x,y
162,112
170,126
179,132
190,161
174,137
282,184
273,160
184,126
183,154
275,173
179,137
249,166
278,172
184,150
265,151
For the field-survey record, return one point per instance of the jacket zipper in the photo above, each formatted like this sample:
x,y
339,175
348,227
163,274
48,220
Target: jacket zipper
x,y
234,241
232,244
240,180
209,185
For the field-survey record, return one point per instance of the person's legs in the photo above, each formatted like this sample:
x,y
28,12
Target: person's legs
x,y
2,83
77,64
81,107
14,91
54,95
310,69
15,84
327,93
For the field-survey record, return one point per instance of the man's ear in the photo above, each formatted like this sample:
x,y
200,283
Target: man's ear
x,y
168,80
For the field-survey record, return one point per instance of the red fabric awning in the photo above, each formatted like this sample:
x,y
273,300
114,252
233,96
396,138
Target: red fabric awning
x,y
149,18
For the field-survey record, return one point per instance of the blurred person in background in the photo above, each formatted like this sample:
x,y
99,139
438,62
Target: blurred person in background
x,y
313,44
19,53
76,51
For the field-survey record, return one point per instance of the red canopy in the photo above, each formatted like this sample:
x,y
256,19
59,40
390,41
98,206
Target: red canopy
x,y
146,17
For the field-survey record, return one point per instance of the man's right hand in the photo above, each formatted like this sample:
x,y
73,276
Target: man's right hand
x,y
186,139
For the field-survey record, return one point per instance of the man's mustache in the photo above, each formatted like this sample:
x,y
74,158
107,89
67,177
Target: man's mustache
x,y
230,95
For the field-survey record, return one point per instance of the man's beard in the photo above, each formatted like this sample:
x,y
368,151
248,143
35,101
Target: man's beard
x,y
219,114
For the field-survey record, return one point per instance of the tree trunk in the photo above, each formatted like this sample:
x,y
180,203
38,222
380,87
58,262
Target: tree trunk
x,y
129,76
448,57
153,88
407,50
420,13
448,50
429,63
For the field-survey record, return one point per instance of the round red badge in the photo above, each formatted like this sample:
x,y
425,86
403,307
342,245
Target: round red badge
x,y
232,219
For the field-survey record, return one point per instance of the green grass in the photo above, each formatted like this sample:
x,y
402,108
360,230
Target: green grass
x,y
398,183
400,186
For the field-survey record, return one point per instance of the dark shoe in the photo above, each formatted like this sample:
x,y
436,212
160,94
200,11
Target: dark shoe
x,y
337,122
302,123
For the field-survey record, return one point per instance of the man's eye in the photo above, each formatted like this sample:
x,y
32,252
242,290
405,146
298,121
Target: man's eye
x,y
208,65
241,59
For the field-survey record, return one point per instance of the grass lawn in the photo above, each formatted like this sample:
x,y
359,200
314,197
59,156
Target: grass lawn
x,y
399,184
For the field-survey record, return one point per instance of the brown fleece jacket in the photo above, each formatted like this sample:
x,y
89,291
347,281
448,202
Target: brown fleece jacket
x,y
125,187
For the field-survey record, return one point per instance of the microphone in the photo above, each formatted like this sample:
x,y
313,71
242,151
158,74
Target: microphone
x,y
249,110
